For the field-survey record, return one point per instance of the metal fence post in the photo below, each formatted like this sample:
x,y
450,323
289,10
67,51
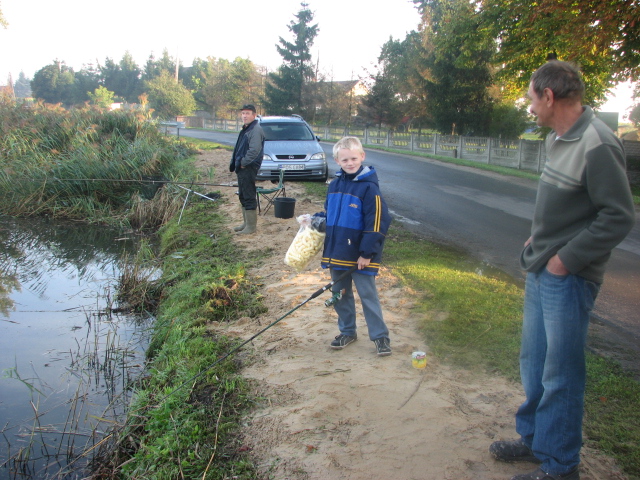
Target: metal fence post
x,y
489,145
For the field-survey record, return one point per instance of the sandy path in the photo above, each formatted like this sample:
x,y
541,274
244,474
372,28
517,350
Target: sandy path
x,y
348,414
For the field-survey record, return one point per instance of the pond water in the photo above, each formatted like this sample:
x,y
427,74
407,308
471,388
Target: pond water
x,y
66,360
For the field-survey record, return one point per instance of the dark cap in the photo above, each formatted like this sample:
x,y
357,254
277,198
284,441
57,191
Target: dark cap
x,y
249,107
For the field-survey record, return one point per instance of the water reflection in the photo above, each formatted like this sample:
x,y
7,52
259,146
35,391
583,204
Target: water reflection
x,y
67,360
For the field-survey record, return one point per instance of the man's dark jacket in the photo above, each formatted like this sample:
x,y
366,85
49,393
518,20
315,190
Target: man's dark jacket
x,y
249,147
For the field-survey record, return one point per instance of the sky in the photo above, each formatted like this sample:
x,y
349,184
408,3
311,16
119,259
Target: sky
x,y
80,32
351,32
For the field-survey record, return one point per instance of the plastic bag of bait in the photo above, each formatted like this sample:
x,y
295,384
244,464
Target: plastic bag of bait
x,y
307,242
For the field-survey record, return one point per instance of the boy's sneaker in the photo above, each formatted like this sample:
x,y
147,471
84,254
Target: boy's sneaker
x,y
342,341
383,346
542,475
512,451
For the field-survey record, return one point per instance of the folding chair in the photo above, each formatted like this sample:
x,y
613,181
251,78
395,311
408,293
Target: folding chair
x,y
270,194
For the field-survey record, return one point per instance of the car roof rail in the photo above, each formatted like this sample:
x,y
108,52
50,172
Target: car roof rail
x,y
298,116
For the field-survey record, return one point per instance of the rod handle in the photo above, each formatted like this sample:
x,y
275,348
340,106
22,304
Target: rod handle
x,y
333,282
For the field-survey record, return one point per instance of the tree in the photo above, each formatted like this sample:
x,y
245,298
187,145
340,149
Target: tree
x,y
221,85
456,73
122,78
403,64
285,91
168,97
85,81
22,87
601,36
101,97
336,102
634,114
154,68
54,83
380,106
507,121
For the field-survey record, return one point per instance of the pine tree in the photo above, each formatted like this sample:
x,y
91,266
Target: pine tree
x,y
287,90
22,87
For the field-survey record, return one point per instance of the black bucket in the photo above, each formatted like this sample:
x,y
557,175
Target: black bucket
x,y
284,207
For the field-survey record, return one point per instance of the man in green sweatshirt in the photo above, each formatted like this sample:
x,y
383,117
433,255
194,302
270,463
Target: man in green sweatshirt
x,y
584,208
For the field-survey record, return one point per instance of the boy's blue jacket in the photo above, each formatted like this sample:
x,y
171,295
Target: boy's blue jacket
x,y
357,221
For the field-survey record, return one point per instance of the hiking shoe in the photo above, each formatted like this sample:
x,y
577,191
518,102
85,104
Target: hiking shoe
x,y
541,475
342,341
383,346
512,451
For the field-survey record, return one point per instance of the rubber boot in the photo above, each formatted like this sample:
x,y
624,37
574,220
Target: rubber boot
x,y
244,222
252,220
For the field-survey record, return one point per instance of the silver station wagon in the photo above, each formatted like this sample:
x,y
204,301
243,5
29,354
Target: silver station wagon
x,y
291,145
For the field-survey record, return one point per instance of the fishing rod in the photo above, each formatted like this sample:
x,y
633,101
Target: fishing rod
x,y
316,294
123,180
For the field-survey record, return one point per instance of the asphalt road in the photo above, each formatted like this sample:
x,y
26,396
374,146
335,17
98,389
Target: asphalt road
x,y
488,216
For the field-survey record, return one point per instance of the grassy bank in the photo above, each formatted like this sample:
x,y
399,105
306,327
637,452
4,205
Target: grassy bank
x,y
186,414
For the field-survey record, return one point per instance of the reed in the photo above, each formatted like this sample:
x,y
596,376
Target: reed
x,y
80,163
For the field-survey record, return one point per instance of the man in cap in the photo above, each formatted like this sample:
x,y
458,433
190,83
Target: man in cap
x,y
245,161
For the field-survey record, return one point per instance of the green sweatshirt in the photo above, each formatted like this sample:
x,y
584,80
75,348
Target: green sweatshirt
x,y
584,206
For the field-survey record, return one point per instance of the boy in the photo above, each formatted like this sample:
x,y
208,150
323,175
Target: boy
x,y
357,222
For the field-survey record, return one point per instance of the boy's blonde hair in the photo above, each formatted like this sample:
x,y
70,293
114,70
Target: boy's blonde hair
x,y
350,143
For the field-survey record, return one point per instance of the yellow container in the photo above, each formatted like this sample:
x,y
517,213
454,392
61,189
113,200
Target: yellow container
x,y
419,359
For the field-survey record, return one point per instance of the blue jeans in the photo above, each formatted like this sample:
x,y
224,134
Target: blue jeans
x,y
552,367
346,306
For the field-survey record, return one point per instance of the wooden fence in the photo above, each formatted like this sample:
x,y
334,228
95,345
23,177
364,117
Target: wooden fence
x,y
527,155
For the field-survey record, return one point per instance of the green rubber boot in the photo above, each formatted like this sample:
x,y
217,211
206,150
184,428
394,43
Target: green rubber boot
x,y
251,217
239,228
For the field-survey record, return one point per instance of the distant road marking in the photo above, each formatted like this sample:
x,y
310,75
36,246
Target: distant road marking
x,y
404,219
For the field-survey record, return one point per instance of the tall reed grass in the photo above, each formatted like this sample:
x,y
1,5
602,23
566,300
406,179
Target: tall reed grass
x,y
82,163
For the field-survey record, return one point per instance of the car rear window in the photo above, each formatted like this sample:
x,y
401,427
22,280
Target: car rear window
x,y
286,131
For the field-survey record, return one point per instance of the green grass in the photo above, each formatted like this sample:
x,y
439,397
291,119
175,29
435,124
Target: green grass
x,y
468,318
205,144
612,413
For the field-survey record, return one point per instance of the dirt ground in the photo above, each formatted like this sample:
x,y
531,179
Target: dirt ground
x,y
348,414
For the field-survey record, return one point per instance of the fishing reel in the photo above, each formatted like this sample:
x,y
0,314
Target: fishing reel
x,y
335,298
